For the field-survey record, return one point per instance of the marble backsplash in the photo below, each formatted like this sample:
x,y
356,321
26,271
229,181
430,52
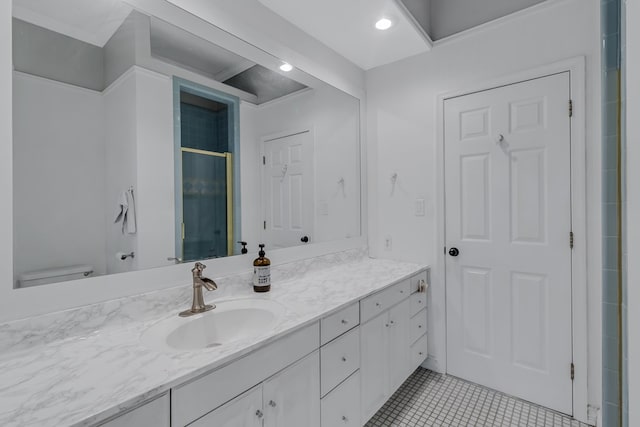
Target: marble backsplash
x,y
131,311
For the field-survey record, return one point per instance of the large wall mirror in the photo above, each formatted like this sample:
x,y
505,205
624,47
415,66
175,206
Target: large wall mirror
x,y
140,143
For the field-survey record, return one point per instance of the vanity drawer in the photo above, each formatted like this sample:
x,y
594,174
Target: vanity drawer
x,y
419,352
341,407
338,323
192,400
418,302
154,413
375,304
339,359
415,281
418,326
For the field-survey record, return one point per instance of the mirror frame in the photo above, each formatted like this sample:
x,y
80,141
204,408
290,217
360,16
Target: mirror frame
x,y
253,43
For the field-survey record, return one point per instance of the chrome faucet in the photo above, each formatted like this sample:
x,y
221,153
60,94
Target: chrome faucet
x,y
198,305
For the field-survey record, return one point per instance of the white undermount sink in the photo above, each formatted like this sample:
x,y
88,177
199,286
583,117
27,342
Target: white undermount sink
x,y
230,321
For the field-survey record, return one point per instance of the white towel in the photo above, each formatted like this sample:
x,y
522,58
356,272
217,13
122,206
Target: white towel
x,y
126,212
131,213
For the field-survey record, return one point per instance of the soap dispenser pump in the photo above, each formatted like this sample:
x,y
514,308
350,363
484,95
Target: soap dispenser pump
x,y
261,272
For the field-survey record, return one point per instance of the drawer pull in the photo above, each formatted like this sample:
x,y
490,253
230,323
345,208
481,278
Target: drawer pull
x,y
259,413
344,359
272,403
345,419
344,321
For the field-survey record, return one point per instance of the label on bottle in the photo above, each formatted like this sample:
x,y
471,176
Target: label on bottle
x,y
262,276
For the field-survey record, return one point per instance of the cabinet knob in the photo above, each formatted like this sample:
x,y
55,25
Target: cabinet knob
x,y
377,304
344,359
259,413
419,326
386,325
344,321
420,353
392,322
272,403
345,419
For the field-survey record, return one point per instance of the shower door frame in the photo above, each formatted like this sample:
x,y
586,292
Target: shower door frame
x,y
577,71
232,161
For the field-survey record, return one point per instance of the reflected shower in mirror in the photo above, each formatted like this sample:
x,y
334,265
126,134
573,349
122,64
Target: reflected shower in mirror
x,y
138,144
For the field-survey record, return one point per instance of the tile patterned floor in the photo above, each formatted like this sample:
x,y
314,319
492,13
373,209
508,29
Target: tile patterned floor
x,y
430,399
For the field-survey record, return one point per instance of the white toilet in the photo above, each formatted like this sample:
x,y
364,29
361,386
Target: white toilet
x,y
54,275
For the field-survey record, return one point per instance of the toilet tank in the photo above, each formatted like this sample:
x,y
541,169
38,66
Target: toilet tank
x,y
54,275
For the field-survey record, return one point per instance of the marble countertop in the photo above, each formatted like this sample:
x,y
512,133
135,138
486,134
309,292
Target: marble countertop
x,y
90,373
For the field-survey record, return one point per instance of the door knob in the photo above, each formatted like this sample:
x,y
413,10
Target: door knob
x,y
454,252
305,239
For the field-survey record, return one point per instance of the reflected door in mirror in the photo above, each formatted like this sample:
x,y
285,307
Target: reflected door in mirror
x,y
288,188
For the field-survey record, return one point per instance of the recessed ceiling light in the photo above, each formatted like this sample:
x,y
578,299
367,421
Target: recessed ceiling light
x,y
286,67
384,24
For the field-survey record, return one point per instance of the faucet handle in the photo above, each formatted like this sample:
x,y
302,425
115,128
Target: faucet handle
x,y
198,268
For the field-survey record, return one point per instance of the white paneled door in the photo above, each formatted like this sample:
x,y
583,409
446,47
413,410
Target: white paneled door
x,y
508,254
288,189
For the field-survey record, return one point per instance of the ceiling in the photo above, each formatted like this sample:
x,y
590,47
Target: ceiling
x,y
347,26
92,21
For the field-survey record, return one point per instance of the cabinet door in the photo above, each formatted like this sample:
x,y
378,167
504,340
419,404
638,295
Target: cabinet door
x,y
374,364
292,397
399,345
243,411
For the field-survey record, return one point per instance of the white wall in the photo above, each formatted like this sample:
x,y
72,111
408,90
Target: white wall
x,y
250,195
155,199
332,116
120,161
401,133
59,175
633,206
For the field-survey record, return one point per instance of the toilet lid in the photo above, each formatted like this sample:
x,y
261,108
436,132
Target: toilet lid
x,y
56,272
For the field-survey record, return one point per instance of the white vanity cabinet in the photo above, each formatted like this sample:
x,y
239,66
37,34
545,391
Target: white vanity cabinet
x,y
291,398
385,361
390,348
337,371
199,397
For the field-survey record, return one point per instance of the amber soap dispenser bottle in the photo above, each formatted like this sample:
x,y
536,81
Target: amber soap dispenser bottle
x,y
261,272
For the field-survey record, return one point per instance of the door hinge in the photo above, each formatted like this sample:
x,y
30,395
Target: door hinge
x,y
571,239
573,371
264,225
570,108
264,160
